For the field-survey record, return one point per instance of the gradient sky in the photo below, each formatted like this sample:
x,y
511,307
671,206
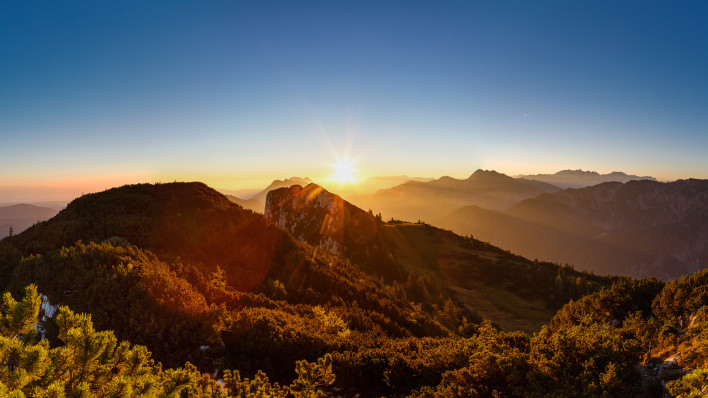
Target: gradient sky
x,y
95,94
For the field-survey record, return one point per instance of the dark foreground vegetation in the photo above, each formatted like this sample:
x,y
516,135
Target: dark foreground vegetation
x,y
185,294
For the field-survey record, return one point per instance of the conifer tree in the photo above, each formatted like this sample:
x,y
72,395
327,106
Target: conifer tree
x,y
92,364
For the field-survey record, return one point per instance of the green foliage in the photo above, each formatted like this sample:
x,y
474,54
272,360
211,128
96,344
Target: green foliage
x,y
611,305
580,361
692,385
312,376
683,297
175,309
129,290
23,362
498,366
90,364
586,360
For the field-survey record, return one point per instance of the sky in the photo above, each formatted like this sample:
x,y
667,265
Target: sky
x,y
95,94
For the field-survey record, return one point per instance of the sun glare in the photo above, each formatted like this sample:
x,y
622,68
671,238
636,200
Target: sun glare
x,y
344,171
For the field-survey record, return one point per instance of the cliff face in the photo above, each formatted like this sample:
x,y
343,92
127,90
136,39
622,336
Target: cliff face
x,y
311,214
325,220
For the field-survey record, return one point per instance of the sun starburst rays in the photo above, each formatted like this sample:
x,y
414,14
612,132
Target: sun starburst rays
x,y
344,171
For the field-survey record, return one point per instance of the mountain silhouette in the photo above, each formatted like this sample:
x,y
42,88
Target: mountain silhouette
x,y
21,216
428,201
580,179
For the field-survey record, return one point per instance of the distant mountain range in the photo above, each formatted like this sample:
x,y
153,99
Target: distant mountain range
x,y
639,228
370,185
21,216
430,200
580,179
256,202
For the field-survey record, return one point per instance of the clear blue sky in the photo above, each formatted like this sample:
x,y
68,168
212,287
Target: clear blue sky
x,y
235,93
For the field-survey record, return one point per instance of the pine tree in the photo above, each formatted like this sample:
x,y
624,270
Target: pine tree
x,y
93,363
312,376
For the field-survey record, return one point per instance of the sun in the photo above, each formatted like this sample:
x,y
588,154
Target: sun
x,y
344,171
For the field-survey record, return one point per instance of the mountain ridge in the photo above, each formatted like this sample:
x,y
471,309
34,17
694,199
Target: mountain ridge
x,y
581,178
640,228
429,200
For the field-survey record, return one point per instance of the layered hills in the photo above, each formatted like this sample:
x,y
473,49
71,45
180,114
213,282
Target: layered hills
x,y
427,201
639,228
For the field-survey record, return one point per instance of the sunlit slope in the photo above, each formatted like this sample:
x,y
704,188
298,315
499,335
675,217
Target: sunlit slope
x,y
513,291
640,228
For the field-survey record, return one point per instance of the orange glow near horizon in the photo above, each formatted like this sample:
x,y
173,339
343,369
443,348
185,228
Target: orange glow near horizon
x,y
63,188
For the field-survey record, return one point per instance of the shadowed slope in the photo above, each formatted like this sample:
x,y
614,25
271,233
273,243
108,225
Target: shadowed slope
x,y
640,228
187,220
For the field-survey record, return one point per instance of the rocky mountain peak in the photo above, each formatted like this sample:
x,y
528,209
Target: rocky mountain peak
x,y
311,214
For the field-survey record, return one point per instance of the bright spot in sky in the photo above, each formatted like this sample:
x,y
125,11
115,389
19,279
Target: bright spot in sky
x,y
344,171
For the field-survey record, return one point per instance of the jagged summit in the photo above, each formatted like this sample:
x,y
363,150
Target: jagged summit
x,y
479,173
323,219
580,178
576,172
257,201
291,181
